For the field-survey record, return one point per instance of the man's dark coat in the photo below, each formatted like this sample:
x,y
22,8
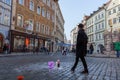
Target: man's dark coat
x,y
81,46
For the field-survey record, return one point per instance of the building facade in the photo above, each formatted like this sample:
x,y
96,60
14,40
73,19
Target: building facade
x,y
90,30
73,35
96,26
112,33
32,24
59,28
5,22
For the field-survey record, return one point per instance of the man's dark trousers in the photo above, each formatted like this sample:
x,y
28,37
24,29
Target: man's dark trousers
x,y
83,62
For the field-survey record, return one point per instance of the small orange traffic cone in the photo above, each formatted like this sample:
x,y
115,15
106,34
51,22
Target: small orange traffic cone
x,y
20,77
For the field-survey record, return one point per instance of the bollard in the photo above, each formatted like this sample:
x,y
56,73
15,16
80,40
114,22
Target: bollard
x,y
20,77
58,63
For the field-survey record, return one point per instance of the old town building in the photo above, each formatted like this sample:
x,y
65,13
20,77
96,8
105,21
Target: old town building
x,y
5,13
73,35
112,33
33,24
98,26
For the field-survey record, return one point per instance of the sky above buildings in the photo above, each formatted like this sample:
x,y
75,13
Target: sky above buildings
x,y
74,10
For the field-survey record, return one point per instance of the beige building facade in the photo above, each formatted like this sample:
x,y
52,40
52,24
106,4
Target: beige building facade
x,y
33,24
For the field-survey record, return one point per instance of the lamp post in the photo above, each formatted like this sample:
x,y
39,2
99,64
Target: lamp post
x,y
34,37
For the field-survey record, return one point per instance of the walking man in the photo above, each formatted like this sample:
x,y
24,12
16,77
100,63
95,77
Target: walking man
x,y
81,49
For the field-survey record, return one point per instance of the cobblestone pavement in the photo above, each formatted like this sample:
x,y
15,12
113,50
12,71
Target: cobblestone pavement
x,y
35,67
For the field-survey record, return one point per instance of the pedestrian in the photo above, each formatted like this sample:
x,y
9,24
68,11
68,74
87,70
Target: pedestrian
x,y
5,48
24,48
37,50
91,49
64,51
81,49
117,48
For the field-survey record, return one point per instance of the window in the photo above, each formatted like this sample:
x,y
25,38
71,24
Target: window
x,y
114,20
96,27
99,36
102,15
43,12
18,42
8,2
102,25
21,2
99,16
119,19
44,1
99,26
6,19
19,20
31,25
114,10
119,8
48,2
38,9
53,5
109,13
48,15
31,5
38,27
96,37
42,28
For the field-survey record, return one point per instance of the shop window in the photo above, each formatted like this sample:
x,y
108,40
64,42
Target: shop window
x,y
19,42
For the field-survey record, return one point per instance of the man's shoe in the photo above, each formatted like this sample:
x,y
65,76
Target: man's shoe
x,y
72,70
84,72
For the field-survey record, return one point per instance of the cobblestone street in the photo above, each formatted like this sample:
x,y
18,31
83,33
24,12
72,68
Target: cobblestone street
x,y
35,67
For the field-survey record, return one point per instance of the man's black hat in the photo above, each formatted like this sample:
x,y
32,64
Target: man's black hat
x,y
80,25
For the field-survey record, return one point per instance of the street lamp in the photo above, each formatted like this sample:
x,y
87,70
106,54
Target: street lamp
x,y
34,36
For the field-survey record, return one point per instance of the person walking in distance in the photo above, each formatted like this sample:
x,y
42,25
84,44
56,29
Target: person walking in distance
x,y
81,49
91,49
